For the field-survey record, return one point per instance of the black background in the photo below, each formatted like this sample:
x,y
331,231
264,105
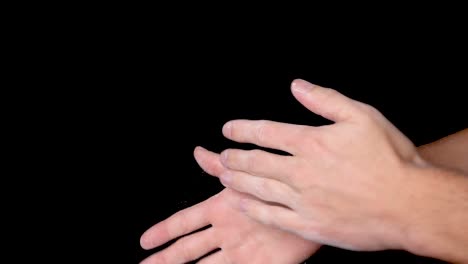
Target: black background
x,y
134,99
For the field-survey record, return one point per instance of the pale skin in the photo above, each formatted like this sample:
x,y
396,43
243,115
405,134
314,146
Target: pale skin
x,y
358,184
241,239
244,240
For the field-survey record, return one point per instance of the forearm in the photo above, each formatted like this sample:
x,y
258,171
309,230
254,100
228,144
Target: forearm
x,y
449,152
436,214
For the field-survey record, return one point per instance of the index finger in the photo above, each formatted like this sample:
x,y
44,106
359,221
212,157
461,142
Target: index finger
x,y
265,133
179,224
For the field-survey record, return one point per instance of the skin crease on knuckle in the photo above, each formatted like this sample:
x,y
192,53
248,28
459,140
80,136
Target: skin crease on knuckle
x,y
260,131
183,250
259,188
275,190
183,224
253,158
252,185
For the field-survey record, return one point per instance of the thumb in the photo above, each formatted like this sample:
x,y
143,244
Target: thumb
x,y
324,101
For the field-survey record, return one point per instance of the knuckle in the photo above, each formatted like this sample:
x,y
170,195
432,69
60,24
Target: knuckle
x,y
371,110
294,200
252,159
262,188
260,131
370,114
182,222
184,250
204,244
261,214
255,154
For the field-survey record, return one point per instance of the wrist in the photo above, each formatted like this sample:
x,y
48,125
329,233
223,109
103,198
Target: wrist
x,y
435,215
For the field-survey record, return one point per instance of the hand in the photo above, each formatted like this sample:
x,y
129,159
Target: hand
x,y
241,239
344,184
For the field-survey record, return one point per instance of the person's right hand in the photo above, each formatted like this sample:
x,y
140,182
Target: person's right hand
x,y
241,239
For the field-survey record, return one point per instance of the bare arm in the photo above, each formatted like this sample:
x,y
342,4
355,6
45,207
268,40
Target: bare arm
x,y
450,151
437,214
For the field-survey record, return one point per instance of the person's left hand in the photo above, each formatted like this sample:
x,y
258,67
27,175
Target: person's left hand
x,y
344,184
240,238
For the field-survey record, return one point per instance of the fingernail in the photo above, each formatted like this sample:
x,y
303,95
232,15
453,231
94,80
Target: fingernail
x,y
145,242
226,177
200,148
227,129
301,86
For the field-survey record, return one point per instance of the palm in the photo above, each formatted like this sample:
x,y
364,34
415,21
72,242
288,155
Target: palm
x,y
241,239
246,241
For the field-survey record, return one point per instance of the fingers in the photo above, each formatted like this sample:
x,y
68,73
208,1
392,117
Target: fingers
x,y
208,161
267,134
262,188
258,162
186,249
324,101
179,224
216,258
272,215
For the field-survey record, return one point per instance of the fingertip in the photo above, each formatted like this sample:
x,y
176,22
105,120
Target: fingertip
x,y
145,242
300,86
296,81
227,129
209,161
202,154
198,150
